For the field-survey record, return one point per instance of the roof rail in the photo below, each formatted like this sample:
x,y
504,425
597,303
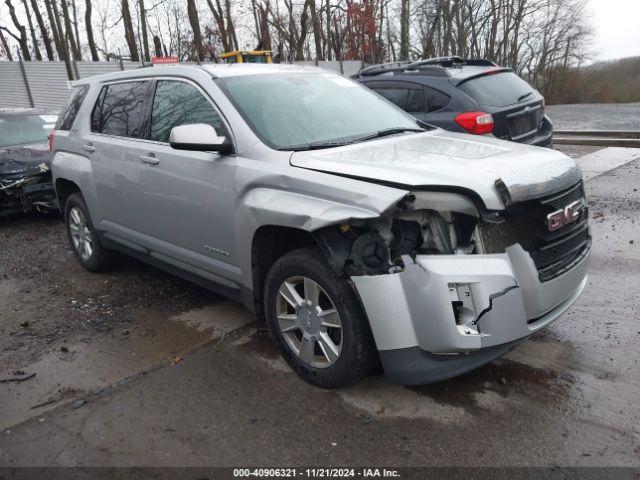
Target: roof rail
x,y
453,61
432,66
383,67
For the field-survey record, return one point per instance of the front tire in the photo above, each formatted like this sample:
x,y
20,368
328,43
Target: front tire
x,y
316,318
83,237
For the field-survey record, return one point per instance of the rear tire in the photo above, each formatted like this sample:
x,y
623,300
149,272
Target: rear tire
x,y
317,320
83,237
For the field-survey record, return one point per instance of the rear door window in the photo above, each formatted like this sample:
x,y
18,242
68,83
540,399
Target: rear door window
x,y
409,97
399,96
121,109
178,103
498,89
71,108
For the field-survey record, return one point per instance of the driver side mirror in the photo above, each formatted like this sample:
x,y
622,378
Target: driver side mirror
x,y
199,137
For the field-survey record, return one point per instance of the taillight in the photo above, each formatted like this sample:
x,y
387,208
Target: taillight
x,y
51,141
477,123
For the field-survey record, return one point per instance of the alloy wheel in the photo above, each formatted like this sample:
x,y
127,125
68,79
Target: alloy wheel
x,y
309,321
80,234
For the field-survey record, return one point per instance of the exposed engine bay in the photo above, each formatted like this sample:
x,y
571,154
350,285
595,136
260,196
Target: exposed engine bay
x,y
438,223
427,223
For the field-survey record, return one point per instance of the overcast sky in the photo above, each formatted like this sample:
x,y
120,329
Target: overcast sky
x,y
617,25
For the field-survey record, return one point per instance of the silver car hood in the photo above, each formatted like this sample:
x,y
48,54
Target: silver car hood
x,y
439,158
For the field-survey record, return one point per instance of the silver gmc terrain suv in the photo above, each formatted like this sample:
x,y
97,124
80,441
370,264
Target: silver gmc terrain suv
x,y
360,233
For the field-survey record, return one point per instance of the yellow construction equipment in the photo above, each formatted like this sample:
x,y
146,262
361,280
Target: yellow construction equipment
x,y
245,56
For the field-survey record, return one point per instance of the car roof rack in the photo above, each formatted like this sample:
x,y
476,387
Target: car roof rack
x,y
431,66
454,61
383,67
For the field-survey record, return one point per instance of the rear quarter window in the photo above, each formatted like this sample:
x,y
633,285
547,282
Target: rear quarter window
x,y
71,108
498,89
121,109
436,100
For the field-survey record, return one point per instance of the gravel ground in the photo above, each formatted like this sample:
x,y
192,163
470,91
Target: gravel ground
x,y
47,299
595,116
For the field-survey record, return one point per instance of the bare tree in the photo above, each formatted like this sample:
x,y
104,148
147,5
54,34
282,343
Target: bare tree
x,y
143,27
74,13
34,38
44,32
58,35
89,27
69,37
21,37
192,11
224,20
5,46
128,31
404,29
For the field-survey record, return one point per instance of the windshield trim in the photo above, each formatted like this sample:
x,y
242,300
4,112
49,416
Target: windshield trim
x,y
221,83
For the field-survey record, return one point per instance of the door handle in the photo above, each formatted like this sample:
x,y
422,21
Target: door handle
x,y
89,148
149,160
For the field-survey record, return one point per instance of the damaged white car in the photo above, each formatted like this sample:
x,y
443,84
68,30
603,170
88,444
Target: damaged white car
x,y
362,235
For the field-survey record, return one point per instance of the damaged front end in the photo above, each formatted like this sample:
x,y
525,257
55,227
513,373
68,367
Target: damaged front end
x,y
25,181
448,286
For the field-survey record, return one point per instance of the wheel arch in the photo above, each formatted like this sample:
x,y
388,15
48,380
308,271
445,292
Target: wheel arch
x,y
64,188
270,242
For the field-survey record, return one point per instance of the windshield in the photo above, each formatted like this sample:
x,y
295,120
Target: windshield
x,y
25,129
498,89
289,111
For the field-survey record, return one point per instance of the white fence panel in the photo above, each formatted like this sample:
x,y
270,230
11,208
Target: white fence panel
x,y
48,82
89,69
351,67
13,93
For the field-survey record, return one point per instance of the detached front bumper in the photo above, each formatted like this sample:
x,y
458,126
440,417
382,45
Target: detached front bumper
x,y
420,336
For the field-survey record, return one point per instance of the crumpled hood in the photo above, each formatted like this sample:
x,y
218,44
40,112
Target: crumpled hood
x,y
439,158
24,161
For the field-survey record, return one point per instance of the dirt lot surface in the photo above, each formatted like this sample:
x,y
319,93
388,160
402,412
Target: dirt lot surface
x,y
136,367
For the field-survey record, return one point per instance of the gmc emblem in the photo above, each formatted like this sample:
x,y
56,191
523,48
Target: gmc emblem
x,y
568,214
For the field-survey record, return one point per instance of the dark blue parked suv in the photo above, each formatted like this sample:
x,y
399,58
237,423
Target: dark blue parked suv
x,y
472,96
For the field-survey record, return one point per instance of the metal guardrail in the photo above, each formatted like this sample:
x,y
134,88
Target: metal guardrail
x,y
604,138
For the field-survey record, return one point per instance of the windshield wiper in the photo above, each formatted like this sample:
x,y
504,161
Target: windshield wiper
x,y
388,131
317,145
341,143
523,96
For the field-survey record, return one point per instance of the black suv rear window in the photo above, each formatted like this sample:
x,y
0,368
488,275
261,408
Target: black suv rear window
x,y
498,89
121,109
414,99
71,108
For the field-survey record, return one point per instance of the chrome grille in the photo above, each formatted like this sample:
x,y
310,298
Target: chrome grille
x,y
526,223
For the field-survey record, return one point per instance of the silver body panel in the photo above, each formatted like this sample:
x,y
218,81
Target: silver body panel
x,y
200,212
421,314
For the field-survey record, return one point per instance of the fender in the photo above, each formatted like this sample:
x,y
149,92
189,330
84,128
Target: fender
x,y
262,206
77,169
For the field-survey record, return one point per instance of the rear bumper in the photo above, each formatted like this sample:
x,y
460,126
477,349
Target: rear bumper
x,y
544,136
415,327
